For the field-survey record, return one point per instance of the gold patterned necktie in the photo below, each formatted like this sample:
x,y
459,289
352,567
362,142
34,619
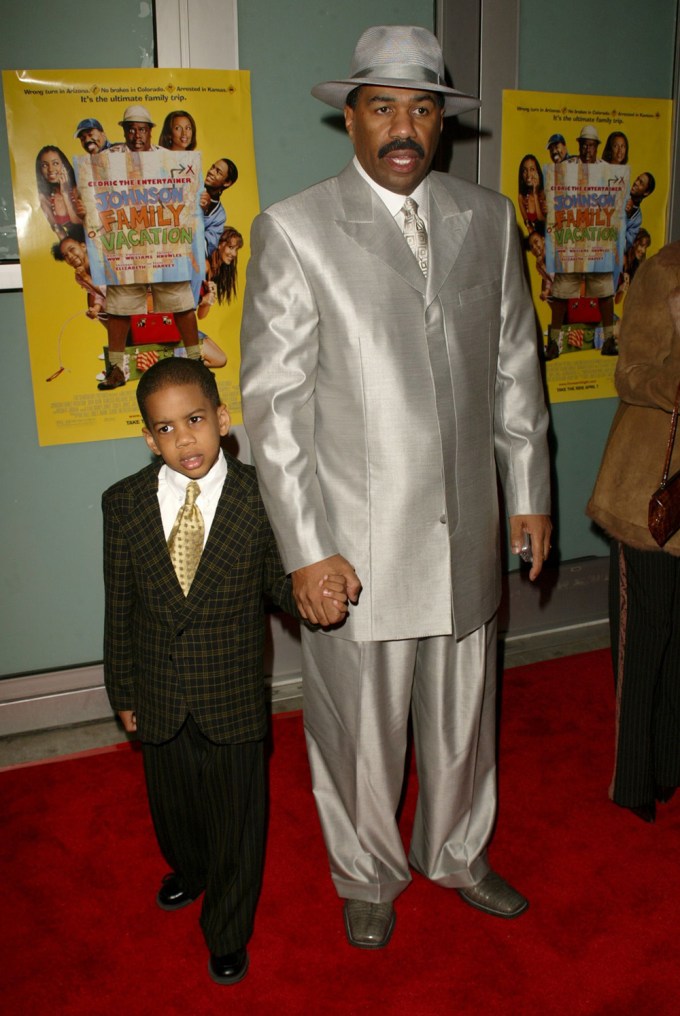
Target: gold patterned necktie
x,y
415,233
185,542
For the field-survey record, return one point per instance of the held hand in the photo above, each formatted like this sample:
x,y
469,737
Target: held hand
x,y
128,718
334,587
309,584
539,528
204,200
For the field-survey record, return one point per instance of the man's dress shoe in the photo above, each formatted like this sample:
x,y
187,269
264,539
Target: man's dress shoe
x,y
230,968
495,896
172,895
368,925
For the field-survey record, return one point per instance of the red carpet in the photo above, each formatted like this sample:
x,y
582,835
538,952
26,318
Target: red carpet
x,y
81,934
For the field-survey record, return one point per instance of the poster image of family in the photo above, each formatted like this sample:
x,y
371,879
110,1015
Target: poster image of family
x,y
134,193
589,177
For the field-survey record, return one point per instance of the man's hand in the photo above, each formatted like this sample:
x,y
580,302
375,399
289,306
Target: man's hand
x,y
321,590
539,528
129,719
204,199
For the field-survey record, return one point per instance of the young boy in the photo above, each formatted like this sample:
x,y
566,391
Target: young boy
x,y
183,653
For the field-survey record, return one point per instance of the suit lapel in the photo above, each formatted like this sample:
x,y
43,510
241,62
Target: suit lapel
x,y
448,227
146,530
368,222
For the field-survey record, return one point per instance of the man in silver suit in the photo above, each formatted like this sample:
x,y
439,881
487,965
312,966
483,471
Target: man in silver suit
x,y
382,392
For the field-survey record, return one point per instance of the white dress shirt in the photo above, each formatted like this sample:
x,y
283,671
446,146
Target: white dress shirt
x,y
172,488
395,202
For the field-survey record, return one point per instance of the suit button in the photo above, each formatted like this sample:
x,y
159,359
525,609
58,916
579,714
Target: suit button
x,y
180,633
442,519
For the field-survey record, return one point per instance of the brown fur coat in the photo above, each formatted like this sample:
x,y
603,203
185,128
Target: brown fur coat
x,y
647,378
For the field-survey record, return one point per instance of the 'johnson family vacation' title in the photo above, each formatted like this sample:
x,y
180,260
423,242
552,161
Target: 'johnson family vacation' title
x,y
143,220
132,216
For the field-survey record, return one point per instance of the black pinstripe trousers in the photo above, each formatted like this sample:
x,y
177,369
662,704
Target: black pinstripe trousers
x,y
644,609
207,804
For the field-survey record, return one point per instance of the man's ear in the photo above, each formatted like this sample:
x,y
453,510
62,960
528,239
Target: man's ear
x,y
349,120
148,437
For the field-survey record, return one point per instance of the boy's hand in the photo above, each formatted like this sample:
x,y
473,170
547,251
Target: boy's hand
x,y
128,718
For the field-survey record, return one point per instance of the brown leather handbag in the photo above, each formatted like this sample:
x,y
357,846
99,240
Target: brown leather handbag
x,y
664,504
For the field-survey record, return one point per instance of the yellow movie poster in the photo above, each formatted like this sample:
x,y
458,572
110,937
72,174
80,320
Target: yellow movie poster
x,y
589,176
128,183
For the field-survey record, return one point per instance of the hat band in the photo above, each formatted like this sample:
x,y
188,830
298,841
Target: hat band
x,y
407,72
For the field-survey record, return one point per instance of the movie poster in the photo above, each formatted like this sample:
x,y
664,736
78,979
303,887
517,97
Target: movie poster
x,y
121,177
589,177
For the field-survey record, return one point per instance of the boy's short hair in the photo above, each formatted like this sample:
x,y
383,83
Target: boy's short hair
x,y
172,371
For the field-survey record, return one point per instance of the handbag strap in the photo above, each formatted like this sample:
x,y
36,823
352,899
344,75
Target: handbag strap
x,y
671,437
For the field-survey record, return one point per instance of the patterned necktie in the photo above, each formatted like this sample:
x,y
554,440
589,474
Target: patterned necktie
x,y
415,233
185,542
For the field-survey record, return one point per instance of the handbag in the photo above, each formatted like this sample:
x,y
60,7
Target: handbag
x,y
583,310
153,327
664,504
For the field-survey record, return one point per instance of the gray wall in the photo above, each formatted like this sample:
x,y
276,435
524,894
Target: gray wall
x,y
49,497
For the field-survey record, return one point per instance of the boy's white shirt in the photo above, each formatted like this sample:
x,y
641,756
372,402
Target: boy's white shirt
x,y
172,488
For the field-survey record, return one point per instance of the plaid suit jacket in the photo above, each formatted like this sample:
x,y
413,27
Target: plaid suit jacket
x,y
165,654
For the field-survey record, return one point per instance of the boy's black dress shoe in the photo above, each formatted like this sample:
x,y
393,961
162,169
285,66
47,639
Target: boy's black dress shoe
x,y
171,895
230,968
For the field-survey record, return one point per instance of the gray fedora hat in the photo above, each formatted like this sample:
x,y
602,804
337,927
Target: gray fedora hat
x,y
399,56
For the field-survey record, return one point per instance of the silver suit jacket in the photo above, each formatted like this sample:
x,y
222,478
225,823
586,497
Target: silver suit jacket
x,y
379,404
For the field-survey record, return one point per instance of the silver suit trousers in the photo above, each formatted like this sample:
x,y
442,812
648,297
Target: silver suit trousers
x,y
357,698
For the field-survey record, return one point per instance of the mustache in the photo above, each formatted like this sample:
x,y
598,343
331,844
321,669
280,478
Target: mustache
x,y
399,146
